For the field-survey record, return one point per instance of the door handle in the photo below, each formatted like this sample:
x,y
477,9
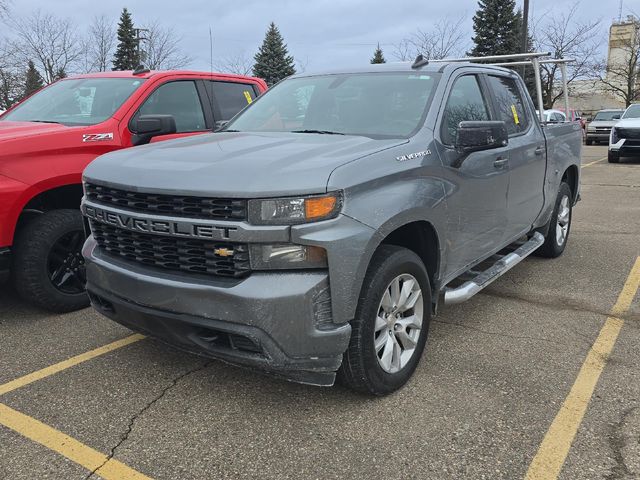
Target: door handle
x,y
500,162
539,151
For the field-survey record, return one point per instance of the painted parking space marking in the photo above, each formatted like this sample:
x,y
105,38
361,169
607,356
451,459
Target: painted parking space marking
x,y
70,448
553,451
70,362
594,162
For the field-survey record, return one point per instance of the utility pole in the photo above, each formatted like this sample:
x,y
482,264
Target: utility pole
x,y
139,40
525,26
525,32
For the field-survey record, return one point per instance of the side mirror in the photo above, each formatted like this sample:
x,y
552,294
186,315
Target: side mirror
x,y
145,127
589,119
475,136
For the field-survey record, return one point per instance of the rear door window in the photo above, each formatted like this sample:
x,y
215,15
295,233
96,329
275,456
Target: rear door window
x,y
465,103
231,97
509,104
179,99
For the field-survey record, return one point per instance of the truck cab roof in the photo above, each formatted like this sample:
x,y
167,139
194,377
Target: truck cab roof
x,y
164,73
435,66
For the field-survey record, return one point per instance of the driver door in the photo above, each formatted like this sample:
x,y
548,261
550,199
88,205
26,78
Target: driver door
x,y
476,183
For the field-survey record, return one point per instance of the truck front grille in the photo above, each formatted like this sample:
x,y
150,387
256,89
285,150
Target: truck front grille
x,y
172,253
628,133
169,205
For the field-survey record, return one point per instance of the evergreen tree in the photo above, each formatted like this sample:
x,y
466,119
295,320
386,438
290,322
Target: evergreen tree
x,y
273,62
497,28
378,57
126,56
32,79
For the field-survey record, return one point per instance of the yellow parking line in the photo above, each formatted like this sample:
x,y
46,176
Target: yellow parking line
x,y
553,451
55,440
71,362
594,162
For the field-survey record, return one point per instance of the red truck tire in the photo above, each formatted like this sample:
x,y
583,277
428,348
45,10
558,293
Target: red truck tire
x,y
49,269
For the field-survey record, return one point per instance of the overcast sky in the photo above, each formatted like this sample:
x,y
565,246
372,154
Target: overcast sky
x,y
319,33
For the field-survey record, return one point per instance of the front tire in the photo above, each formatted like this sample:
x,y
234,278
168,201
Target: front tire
x,y
48,268
559,225
613,157
588,141
391,324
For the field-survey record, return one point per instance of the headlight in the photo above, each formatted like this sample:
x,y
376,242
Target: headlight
x,y
613,138
286,256
294,210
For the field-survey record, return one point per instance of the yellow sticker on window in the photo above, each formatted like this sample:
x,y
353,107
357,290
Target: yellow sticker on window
x,y
247,95
515,115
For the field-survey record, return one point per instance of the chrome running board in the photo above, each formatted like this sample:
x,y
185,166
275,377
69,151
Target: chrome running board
x,y
468,289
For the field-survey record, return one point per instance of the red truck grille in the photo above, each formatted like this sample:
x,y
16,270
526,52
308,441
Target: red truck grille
x,y
171,253
169,205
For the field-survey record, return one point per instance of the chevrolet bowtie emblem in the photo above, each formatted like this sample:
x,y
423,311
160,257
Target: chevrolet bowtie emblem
x,y
223,252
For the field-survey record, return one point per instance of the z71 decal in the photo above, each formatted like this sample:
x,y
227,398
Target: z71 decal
x,y
97,137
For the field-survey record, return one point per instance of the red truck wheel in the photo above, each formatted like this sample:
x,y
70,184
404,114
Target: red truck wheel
x,y
48,268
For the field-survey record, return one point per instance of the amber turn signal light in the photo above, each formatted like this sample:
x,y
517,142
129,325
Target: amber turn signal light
x,y
319,207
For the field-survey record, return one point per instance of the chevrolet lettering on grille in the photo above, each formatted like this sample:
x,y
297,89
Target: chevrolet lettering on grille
x,y
181,228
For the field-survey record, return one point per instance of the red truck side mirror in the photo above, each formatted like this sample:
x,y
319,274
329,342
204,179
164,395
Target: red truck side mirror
x,y
145,127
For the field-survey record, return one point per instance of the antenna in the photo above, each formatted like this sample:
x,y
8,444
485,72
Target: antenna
x,y
620,11
210,51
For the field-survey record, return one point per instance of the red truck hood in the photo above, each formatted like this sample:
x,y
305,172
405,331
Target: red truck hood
x,y
13,130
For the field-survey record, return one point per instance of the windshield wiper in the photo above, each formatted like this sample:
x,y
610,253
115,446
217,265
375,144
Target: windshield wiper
x,y
45,121
324,132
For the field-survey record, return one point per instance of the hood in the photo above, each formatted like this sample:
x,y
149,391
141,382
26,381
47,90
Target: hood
x,y
628,123
241,165
14,130
602,123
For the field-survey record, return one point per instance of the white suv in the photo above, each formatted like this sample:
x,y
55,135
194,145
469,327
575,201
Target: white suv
x,y
625,135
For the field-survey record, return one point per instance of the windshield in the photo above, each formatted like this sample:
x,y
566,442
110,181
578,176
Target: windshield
x,y
380,105
607,116
82,101
632,112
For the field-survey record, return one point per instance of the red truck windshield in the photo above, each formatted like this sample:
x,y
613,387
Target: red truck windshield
x,y
80,101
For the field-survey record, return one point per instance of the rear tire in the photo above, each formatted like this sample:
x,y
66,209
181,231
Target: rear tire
x,y
48,269
613,157
559,225
388,336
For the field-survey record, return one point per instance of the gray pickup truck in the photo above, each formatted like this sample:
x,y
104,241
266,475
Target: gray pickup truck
x,y
316,234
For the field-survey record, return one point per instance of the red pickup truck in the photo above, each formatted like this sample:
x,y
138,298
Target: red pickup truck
x,y
47,140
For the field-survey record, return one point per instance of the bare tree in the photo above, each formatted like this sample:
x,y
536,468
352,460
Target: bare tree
x,y
239,64
622,78
11,78
446,38
161,47
564,37
4,8
53,43
100,43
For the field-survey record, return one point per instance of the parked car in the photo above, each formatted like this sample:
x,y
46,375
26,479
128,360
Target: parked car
x,y
317,233
574,116
599,129
625,135
553,116
48,139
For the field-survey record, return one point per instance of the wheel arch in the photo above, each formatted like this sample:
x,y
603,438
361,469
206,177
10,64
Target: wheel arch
x,y
43,200
572,176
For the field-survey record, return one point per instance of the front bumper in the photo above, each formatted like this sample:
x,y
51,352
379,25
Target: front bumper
x,y
626,147
598,135
5,263
275,322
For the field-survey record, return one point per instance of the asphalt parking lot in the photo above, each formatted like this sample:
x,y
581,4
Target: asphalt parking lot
x,y
501,389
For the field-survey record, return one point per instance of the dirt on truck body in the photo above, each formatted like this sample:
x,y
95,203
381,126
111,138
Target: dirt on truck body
x,y
316,234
